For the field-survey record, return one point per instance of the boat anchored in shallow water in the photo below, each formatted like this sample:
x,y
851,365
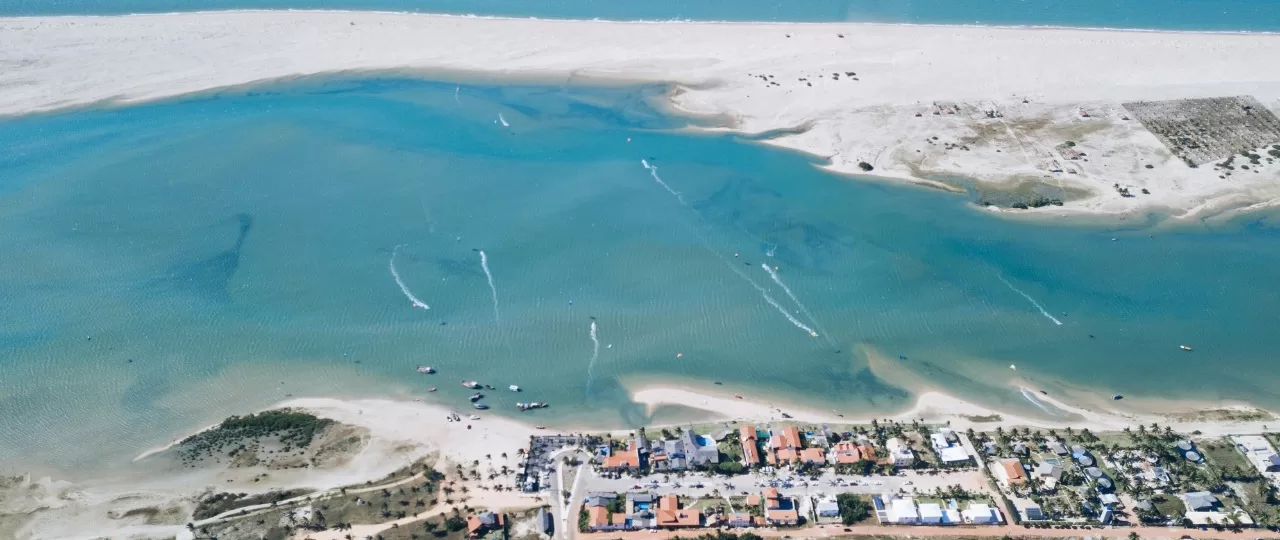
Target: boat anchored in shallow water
x,y
428,370
513,388
476,397
1185,347
480,406
471,384
531,406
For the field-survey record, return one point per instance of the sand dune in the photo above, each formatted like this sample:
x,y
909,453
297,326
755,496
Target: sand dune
x,y
852,90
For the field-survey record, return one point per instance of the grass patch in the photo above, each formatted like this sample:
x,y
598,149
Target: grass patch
x,y
984,419
1169,506
1224,454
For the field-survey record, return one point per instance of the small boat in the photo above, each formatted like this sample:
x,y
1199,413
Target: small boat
x,y
471,384
474,417
539,427
1184,347
1117,397
513,388
426,369
476,396
737,396
530,406
488,387
718,383
480,406
432,389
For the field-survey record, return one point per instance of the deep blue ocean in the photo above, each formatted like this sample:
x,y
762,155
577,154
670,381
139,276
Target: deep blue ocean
x,y
169,263
1214,15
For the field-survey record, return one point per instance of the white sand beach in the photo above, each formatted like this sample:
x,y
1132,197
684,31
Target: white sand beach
x,y
398,434
849,92
939,408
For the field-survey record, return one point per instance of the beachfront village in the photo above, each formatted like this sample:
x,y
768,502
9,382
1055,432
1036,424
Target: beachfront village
x,y
838,479
794,479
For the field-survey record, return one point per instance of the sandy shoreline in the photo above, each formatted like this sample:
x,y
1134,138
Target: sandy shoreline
x,y
941,408
401,432
856,88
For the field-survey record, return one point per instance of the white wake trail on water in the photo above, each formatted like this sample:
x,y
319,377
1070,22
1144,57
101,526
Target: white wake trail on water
x,y
455,94
653,171
1030,299
503,120
804,310
493,290
764,293
595,354
1039,404
404,289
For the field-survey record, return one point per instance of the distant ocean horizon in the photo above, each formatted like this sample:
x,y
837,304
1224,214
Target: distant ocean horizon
x,y
170,263
1183,15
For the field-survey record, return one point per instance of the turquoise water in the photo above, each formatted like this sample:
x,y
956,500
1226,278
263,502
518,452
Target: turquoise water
x,y
167,264
1216,15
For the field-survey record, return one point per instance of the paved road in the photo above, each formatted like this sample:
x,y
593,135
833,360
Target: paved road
x,y
1149,533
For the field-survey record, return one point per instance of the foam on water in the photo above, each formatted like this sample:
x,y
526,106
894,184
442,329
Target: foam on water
x,y
404,289
774,275
1030,299
653,171
595,353
493,290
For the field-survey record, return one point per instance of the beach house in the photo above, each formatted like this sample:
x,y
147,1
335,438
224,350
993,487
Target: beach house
x,y
980,514
846,453
784,446
688,450
486,525
827,507
899,454
750,442
947,445
671,516
1010,472
779,510
623,460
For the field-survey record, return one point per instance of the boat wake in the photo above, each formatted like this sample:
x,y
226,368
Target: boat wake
x,y
503,120
1030,396
455,94
804,310
1030,299
653,171
595,353
404,289
493,290
764,293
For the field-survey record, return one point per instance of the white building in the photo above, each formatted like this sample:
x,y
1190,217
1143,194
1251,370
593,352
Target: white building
x,y
930,513
980,514
946,443
903,511
827,507
899,453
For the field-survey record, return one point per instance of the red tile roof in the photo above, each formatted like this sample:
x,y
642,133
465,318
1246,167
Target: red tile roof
x,y
847,452
812,455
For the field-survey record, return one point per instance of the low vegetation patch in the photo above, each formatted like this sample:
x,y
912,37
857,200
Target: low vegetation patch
x,y
219,503
294,429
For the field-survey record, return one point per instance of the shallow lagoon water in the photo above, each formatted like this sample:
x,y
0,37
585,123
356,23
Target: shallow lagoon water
x,y
167,264
1199,15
